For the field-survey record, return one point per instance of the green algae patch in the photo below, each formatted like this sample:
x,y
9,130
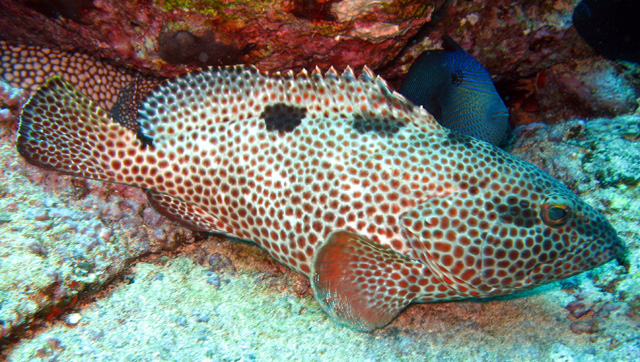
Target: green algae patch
x,y
206,7
214,8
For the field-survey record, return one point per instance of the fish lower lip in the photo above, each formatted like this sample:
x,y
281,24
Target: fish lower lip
x,y
624,261
621,255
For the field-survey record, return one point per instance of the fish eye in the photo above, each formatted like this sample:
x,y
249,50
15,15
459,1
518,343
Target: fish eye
x,y
556,214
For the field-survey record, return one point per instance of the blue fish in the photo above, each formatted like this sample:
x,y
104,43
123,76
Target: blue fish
x,y
458,91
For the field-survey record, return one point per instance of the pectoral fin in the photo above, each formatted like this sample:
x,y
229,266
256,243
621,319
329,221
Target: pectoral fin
x,y
362,283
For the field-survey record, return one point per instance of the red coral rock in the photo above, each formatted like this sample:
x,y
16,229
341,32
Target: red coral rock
x,y
286,34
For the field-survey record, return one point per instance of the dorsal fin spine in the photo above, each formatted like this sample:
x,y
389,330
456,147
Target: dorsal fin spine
x,y
218,95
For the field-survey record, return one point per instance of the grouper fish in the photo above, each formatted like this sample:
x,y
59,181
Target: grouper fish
x,y
336,176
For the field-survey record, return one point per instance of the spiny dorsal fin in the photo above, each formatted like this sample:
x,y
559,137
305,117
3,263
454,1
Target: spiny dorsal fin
x,y
235,94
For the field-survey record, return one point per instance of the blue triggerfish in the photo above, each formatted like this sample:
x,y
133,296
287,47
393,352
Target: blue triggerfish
x,y
458,91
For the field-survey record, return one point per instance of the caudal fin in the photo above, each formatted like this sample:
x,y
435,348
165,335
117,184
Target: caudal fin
x,y
63,130
362,283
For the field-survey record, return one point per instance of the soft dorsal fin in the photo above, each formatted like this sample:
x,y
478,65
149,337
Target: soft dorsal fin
x,y
29,66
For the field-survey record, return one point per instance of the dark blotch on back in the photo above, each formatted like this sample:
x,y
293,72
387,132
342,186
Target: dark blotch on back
x,y
282,117
381,127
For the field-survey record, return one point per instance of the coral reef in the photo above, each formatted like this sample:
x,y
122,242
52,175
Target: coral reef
x,y
274,35
89,271
68,9
182,47
541,66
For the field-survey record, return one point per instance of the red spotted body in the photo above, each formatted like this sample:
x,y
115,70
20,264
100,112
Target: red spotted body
x,y
337,177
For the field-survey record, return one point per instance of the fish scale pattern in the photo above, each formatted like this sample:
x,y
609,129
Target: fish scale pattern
x,y
29,66
337,177
285,190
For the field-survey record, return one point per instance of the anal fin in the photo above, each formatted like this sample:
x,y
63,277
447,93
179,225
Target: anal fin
x,y
186,214
361,283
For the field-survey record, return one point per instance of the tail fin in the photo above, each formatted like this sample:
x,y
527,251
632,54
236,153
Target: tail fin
x,y
63,130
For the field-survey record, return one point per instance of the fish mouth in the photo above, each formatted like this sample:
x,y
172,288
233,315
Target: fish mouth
x,y
616,250
621,254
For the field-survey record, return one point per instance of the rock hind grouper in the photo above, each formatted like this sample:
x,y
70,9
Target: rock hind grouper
x,y
337,177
